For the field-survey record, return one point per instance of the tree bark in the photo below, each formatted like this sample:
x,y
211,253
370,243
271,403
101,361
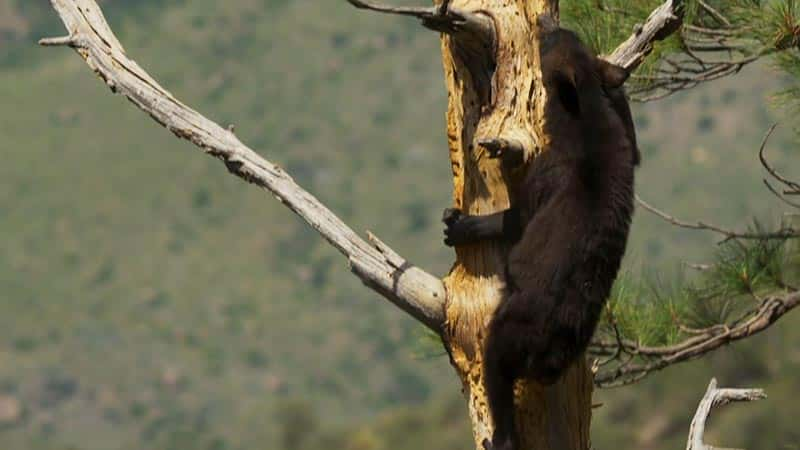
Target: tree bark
x,y
506,104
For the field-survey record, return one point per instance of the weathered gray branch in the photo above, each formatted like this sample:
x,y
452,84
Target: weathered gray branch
x,y
714,398
442,18
663,21
413,290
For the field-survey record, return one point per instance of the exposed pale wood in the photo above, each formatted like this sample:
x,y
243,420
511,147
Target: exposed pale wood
x,y
663,21
557,417
713,398
412,289
443,18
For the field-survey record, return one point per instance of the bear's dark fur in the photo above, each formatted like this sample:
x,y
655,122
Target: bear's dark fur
x,y
568,226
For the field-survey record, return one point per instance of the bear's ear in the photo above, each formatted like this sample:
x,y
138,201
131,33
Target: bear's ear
x,y
546,24
611,76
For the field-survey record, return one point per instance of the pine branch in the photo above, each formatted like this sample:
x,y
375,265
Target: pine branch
x,y
698,344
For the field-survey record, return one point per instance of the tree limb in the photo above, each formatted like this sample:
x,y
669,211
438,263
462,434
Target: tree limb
x,y
714,398
442,18
793,186
413,290
711,47
702,342
783,233
662,22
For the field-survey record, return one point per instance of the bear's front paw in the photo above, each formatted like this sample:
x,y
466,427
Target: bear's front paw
x,y
488,445
451,216
460,228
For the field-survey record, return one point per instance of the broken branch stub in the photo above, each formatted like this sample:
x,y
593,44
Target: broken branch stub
x,y
662,22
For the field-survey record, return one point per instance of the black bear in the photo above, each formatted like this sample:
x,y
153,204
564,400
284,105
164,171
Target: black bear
x,y
568,227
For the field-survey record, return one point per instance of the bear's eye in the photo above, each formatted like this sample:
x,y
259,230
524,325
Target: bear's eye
x,y
567,95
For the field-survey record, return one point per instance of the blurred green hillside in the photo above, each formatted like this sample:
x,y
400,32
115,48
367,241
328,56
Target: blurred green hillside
x,y
150,300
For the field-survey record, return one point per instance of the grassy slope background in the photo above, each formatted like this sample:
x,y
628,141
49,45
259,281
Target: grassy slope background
x,y
150,300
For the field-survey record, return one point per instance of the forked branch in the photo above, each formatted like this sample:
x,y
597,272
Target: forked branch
x,y
711,47
418,293
715,398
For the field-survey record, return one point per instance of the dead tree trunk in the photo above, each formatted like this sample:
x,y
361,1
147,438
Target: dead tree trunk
x,y
495,91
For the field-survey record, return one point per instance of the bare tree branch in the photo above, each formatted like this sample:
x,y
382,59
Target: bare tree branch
x,y
700,225
663,21
711,47
700,343
783,233
442,18
781,196
715,398
689,69
418,293
794,187
688,73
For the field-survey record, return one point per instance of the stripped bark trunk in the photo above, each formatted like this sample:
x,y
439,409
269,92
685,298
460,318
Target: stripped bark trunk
x,y
507,104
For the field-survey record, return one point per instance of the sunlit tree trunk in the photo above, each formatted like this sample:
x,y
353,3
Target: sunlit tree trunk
x,y
506,102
